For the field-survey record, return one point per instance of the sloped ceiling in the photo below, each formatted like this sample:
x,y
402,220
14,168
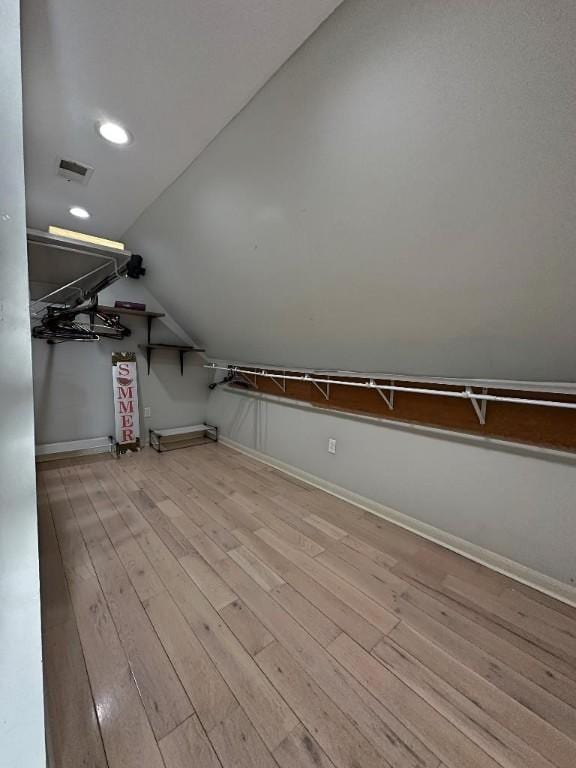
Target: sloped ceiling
x,y
174,72
399,197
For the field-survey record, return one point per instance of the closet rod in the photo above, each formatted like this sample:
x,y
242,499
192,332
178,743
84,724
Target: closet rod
x,y
466,394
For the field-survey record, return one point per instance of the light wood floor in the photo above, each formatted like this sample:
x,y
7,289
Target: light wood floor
x,y
202,609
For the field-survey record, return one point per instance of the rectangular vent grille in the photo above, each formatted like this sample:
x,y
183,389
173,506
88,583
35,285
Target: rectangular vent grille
x,y
73,171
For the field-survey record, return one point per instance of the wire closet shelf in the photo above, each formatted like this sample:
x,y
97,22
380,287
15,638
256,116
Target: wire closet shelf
x,y
475,391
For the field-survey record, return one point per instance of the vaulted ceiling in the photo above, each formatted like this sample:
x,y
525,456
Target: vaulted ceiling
x,y
174,72
399,197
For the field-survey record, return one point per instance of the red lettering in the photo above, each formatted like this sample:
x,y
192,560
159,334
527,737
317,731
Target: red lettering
x,y
125,392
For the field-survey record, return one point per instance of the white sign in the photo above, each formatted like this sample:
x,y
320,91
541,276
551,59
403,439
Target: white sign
x,y
127,415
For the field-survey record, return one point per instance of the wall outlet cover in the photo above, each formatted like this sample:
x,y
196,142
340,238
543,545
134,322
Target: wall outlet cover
x,y
331,445
147,412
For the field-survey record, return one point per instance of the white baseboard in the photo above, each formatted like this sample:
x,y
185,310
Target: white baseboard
x,y
79,447
498,563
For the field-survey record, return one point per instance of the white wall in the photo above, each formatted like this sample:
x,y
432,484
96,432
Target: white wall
x,y
73,381
399,197
21,702
510,501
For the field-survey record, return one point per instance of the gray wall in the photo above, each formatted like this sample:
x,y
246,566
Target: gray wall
x,y
73,381
511,502
21,705
399,197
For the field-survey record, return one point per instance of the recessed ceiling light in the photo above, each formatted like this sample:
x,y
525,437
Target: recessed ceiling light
x,y
80,213
113,133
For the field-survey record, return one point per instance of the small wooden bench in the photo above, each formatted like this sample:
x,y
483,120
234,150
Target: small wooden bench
x,y
182,437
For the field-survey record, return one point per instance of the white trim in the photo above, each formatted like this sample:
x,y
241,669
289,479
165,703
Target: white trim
x,y
91,445
498,563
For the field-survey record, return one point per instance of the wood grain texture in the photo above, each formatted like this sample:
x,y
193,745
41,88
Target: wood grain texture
x,y
318,625
212,699
299,748
464,713
208,581
335,733
518,718
374,722
246,626
164,698
255,568
446,741
523,423
203,608
126,731
188,745
238,744
73,733
265,708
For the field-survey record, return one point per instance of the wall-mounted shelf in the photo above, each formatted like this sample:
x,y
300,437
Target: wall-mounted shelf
x,y
122,311
181,349
150,316
536,413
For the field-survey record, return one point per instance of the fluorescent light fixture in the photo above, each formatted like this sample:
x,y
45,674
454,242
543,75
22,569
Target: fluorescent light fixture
x,y
113,133
70,234
80,213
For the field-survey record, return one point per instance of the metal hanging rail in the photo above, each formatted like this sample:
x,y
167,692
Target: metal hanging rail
x,y
72,285
113,258
479,400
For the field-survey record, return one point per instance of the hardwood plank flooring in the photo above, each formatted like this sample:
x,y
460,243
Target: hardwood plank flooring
x,y
201,608
211,697
186,740
299,748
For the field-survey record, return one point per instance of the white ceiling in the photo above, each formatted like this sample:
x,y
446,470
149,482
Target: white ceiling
x,y
400,198
173,72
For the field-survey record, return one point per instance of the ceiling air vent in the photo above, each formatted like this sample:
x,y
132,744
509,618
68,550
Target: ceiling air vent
x,y
73,171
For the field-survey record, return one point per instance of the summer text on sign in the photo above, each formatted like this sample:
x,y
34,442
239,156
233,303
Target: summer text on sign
x,y
127,415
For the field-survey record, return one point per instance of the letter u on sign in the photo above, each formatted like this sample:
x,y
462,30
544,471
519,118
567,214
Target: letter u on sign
x,y
126,413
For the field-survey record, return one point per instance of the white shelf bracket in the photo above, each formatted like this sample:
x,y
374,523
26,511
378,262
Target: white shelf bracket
x,y
479,399
279,382
319,387
252,382
478,405
388,398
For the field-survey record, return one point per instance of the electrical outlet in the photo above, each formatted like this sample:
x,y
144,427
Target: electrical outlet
x,y
147,413
331,445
